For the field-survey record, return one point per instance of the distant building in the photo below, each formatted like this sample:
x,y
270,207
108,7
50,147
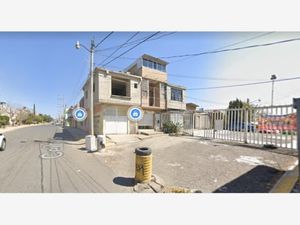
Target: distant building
x,y
191,107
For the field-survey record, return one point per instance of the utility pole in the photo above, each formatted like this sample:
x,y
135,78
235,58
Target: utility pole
x,y
296,105
60,108
273,78
33,109
91,50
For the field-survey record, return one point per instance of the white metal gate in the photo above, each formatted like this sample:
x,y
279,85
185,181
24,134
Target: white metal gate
x,y
270,125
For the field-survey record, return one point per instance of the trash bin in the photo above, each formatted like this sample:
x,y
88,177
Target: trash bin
x,y
101,141
143,165
90,143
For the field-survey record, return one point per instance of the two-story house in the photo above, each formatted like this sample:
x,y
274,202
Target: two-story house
x,y
144,83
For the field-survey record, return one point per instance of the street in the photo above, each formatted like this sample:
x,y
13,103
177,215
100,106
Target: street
x,y
63,167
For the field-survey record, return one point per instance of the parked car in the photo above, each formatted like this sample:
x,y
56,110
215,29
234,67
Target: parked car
x,y
2,142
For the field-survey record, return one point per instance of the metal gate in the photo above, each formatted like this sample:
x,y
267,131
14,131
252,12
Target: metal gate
x,y
270,125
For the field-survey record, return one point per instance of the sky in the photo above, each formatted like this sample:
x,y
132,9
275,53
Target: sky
x,y
45,69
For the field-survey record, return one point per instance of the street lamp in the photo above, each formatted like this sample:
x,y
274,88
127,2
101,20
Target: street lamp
x,y
91,50
273,78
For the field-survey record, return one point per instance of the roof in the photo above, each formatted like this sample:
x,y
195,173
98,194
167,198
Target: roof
x,y
192,104
152,58
149,57
176,86
112,72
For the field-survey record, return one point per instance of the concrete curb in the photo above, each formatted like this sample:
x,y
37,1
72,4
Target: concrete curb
x,y
9,129
76,134
287,181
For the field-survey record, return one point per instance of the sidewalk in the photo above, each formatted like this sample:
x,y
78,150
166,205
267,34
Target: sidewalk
x,y
11,128
76,133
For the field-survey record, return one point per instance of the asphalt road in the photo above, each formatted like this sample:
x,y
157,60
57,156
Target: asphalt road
x,y
44,159
191,162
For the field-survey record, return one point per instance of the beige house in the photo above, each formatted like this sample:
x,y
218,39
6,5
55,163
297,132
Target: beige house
x,y
191,107
144,83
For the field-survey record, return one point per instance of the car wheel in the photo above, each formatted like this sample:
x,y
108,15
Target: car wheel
x,y
3,145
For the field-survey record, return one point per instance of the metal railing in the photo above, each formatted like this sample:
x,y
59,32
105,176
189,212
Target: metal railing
x,y
269,125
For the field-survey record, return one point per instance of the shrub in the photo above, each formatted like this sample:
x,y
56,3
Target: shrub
x,y
4,120
170,127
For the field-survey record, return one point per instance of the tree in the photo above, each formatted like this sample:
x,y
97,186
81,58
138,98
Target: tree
x,y
4,120
236,117
236,104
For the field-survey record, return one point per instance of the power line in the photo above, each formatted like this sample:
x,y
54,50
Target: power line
x,y
79,78
232,49
131,48
127,58
198,77
241,85
230,45
207,101
121,46
77,89
209,78
137,40
104,39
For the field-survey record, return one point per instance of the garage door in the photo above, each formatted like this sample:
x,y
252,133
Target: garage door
x,y
115,124
147,120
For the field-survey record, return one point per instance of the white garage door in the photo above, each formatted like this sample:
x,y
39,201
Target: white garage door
x,y
147,120
115,122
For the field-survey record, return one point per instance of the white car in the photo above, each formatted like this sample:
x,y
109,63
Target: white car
x,y
2,142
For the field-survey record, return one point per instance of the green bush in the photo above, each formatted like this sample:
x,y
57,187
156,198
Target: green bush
x,y
4,120
35,119
172,128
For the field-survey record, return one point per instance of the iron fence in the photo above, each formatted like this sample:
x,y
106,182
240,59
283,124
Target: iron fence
x,y
268,125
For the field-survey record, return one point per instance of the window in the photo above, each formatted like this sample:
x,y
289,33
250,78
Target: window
x,y
145,63
150,64
154,65
159,67
120,87
145,85
176,94
135,85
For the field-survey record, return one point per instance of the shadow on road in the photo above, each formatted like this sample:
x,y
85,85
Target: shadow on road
x,y
124,181
70,134
260,179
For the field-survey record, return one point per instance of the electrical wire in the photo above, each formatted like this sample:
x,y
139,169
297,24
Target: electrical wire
x,y
205,100
246,84
210,78
141,42
121,46
230,45
232,49
104,39
137,40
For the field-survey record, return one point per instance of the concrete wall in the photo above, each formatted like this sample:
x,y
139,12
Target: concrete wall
x,y
152,74
175,104
104,95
